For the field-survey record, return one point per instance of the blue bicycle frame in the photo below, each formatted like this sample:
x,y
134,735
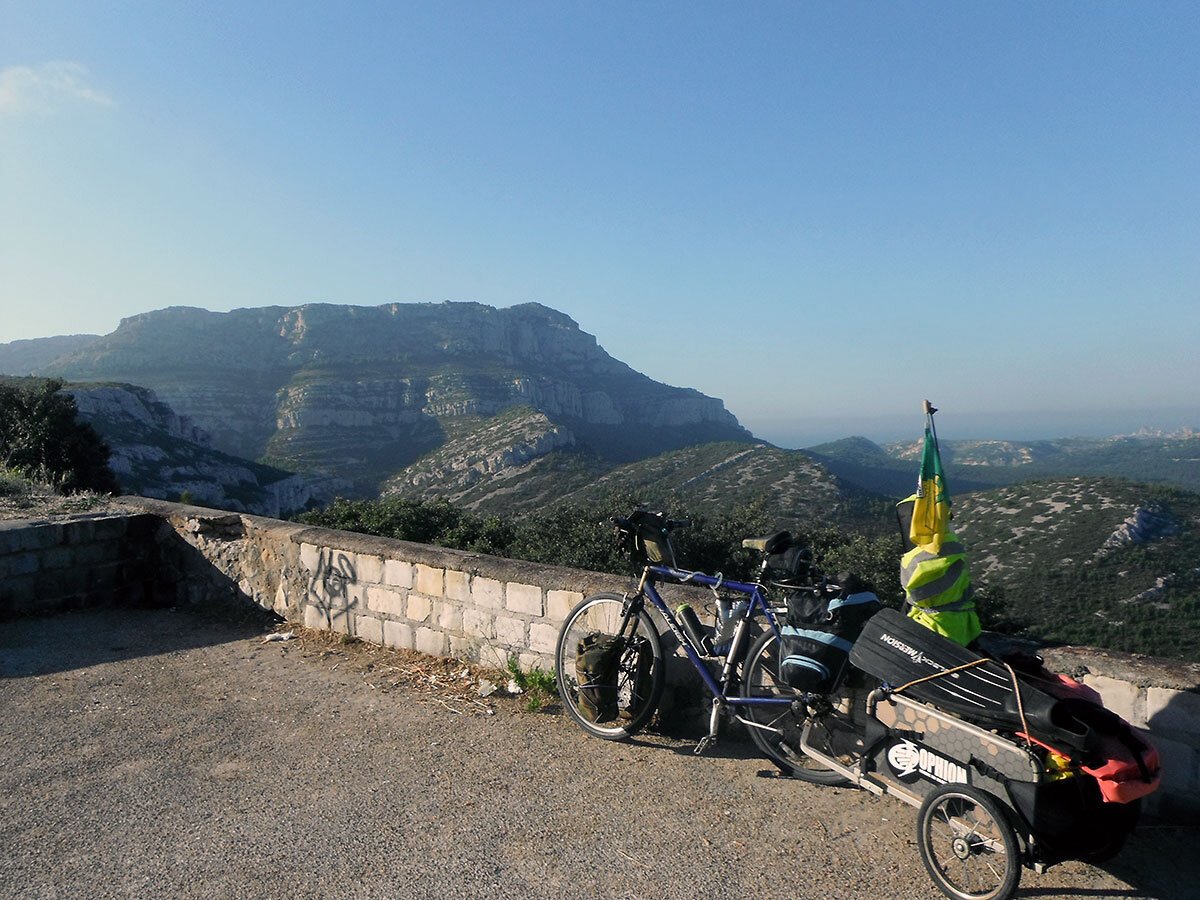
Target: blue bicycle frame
x,y
757,603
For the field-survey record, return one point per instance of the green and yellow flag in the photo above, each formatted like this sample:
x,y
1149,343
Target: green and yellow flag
x,y
931,511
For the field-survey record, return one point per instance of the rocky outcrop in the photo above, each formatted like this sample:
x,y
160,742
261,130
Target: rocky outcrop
x,y
367,391
497,452
1143,526
135,406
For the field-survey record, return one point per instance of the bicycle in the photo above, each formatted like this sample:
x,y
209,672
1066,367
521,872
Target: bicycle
x,y
618,703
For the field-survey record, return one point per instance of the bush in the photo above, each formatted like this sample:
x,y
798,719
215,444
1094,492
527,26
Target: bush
x,y
875,560
41,437
580,536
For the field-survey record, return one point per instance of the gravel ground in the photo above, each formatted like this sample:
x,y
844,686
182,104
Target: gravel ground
x,y
151,753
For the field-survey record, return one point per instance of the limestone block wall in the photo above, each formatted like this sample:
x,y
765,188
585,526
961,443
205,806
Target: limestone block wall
x,y
86,560
394,593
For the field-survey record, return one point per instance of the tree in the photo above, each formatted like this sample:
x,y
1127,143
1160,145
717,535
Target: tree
x,y
41,437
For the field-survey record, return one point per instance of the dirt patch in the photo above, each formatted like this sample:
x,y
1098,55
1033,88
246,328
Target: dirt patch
x,y
462,687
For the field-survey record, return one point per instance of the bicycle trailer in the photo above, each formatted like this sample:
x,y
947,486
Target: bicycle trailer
x,y
1007,768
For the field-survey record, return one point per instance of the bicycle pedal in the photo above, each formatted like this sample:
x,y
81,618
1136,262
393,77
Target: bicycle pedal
x,y
705,742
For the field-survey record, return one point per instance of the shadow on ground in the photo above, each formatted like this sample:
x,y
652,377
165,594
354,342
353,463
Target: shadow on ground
x,y
75,640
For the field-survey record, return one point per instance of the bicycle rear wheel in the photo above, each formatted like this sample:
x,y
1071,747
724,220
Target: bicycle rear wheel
x,y
640,671
776,729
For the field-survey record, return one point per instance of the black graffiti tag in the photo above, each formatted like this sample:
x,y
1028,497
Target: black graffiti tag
x,y
330,584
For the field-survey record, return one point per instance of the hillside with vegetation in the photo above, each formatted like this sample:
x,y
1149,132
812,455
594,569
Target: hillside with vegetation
x,y
1103,562
1172,460
798,491
795,487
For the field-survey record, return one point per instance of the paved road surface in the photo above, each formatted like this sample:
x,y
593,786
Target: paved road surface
x,y
154,754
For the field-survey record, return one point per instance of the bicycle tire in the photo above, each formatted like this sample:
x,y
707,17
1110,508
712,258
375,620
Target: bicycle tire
x,y
603,613
775,730
967,844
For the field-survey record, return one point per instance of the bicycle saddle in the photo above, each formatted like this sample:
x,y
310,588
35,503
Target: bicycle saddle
x,y
771,544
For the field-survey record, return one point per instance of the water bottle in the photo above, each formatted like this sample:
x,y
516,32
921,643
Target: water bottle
x,y
728,615
690,623
724,609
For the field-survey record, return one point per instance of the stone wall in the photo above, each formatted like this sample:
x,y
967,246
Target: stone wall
x,y
447,602
87,560
394,593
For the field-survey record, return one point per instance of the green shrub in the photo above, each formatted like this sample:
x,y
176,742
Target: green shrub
x,y
41,437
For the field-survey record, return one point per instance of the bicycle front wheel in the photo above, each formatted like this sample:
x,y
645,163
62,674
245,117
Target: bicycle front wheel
x,y
640,670
776,729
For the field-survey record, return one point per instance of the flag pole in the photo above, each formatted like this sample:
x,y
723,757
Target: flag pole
x,y
930,409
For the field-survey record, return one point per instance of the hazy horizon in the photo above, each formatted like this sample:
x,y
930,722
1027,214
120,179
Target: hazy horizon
x,y
961,425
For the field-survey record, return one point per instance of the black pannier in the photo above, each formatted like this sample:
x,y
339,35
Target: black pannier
x,y
600,661
816,641
597,665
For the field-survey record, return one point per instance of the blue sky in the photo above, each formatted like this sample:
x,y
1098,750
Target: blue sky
x,y
820,212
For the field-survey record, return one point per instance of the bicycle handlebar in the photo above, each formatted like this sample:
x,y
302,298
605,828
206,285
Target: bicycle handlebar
x,y
625,524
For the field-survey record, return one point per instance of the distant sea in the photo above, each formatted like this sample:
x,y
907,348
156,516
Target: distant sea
x,y
967,426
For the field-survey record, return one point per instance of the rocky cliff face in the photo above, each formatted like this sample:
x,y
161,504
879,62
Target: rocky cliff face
x,y
136,409
365,392
158,453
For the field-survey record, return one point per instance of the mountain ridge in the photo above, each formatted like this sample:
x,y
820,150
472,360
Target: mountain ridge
x,y
366,391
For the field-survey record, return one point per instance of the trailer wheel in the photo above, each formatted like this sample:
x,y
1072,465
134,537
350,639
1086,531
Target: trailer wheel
x,y
967,845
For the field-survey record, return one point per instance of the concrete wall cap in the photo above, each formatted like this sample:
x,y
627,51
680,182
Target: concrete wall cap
x,y
1143,671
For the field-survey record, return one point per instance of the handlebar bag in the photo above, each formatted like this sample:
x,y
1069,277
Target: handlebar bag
x,y
650,539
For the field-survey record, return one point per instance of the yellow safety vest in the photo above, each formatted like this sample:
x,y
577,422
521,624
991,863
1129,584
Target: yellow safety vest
x,y
938,589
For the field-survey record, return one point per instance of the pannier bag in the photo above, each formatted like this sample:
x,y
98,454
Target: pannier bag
x,y
816,642
597,664
812,660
